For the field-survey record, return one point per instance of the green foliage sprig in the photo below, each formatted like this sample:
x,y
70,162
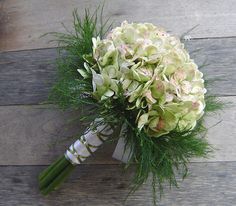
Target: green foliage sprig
x,y
71,89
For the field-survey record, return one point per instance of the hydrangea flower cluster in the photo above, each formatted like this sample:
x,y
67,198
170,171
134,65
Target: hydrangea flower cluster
x,y
156,74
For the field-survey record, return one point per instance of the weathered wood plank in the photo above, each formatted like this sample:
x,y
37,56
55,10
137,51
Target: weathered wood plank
x,y
23,22
27,76
37,135
208,184
28,135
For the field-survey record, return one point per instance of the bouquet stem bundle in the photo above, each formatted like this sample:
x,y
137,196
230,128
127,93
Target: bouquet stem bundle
x,y
51,178
54,175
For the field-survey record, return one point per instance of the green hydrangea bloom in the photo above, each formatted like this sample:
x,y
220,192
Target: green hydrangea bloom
x,y
156,74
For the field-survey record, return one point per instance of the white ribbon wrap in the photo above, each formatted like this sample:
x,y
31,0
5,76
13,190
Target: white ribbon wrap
x,y
87,144
121,153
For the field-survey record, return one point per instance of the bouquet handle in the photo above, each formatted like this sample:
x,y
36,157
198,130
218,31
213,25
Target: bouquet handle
x,y
51,178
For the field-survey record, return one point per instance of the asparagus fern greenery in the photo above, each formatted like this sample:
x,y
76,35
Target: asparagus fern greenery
x,y
162,157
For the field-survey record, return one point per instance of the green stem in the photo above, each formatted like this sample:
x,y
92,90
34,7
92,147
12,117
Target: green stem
x,y
55,183
53,172
48,169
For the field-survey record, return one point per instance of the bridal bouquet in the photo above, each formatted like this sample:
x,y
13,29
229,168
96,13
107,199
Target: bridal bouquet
x,y
136,82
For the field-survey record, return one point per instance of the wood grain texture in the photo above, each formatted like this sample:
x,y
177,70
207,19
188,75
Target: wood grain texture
x,y
209,184
37,135
27,76
23,22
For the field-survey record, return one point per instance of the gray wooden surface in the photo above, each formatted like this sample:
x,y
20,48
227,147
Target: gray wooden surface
x,y
208,184
23,22
33,135
49,131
